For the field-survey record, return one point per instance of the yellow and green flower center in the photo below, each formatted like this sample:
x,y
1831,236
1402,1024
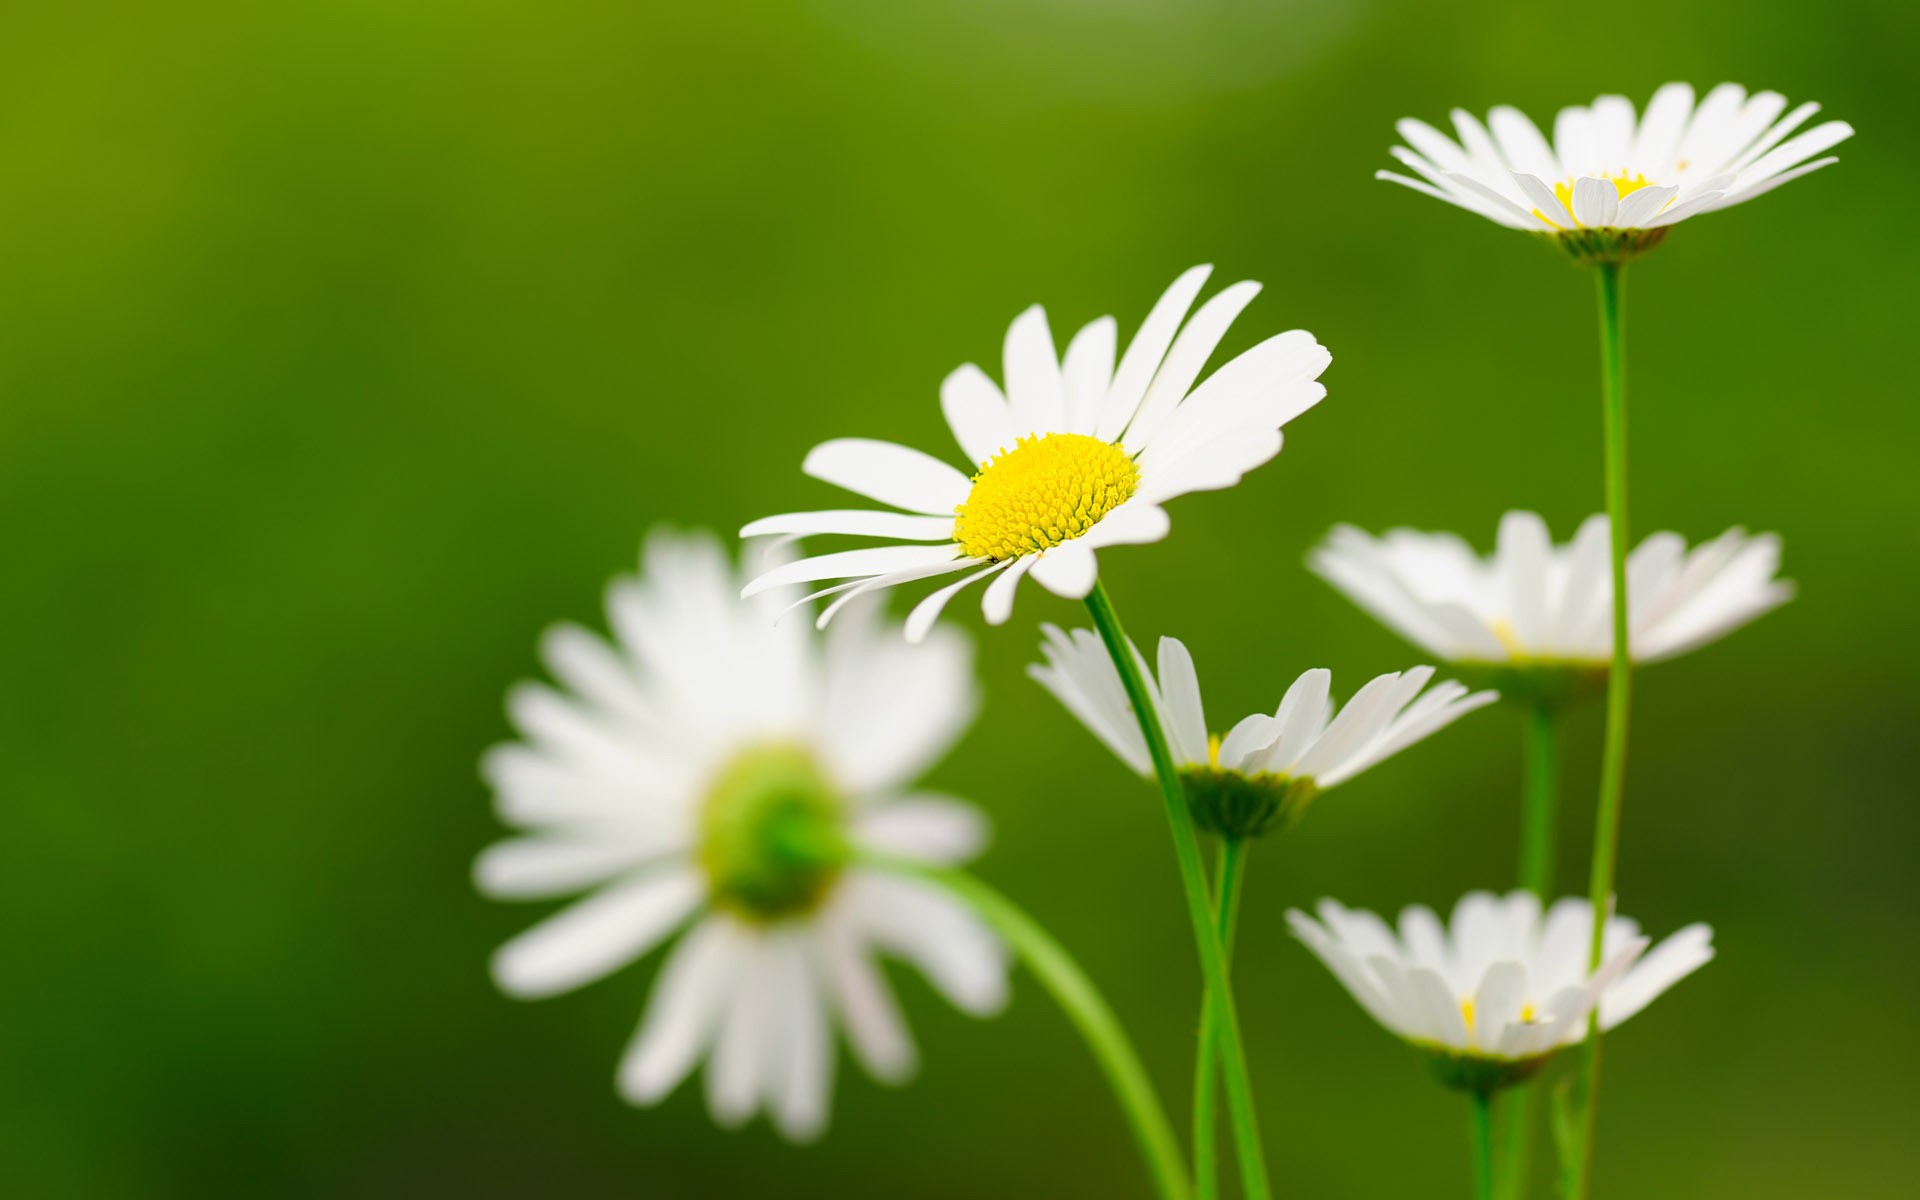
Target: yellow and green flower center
x,y
772,835
1048,489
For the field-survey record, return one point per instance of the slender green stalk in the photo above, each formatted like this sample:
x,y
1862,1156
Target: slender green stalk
x,y
1226,911
1538,820
1613,766
1084,1006
1193,878
1482,1147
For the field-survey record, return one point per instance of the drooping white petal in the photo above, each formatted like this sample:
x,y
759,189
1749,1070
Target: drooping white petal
x,y
690,996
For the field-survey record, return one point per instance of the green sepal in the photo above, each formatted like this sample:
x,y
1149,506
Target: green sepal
x,y
1475,1073
1233,805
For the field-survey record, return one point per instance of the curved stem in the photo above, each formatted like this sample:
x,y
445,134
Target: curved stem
x,y
1482,1148
1226,910
1193,878
1084,1006
1538,821
1613,768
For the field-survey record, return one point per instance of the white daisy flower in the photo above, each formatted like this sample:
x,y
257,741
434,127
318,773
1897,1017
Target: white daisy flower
x,y
711,775
1267,769
1493,995
1608,185
1534,608
1076,455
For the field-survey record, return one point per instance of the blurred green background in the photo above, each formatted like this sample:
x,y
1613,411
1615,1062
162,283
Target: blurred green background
x,y
345,345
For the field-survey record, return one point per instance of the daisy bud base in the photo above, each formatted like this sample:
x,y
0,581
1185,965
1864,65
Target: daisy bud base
x,y
1236,806
1592,246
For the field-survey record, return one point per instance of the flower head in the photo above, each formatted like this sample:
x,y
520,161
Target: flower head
x,y
715,773
1267,769
1609,186
1540,615
1077,454
1495,993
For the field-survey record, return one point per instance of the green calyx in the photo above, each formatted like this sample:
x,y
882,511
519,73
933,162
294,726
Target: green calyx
x,y
772,838
1234,805
1591,246
1556,684
1484,1076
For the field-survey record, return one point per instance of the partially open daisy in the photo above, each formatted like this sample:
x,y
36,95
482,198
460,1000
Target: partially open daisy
x,y
1076,455
1541,615
1608,185
1267,769
713,769
1491,996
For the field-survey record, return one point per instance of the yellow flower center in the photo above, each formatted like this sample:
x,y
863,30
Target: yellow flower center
x,y
1625,186
1048,489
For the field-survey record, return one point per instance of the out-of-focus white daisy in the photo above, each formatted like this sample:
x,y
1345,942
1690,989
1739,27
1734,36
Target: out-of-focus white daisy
x,y
1536,607
1076,455
1610,184
716,770
1267,769
1495,993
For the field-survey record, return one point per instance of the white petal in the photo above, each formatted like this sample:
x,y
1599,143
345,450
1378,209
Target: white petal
x,y
689,997
977,413
1185,360
854,522
1087,373
1679,956
935,932
1143,355
537,868
930,828
598,935
866,1005
997,604
928,610
1034,388
847,564
890,473
1067,570
1596,202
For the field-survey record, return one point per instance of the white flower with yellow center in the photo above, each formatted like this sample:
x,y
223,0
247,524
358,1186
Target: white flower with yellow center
x,y
715,772
1495,993
1609,185
1076,455
1534,608
1267,769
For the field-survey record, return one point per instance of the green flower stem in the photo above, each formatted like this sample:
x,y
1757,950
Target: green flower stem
x,y
1193,877
1538,818
1083,1005
1613,766
1226,911
1482,1147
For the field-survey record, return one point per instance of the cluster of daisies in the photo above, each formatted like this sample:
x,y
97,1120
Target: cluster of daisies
x,y
730,779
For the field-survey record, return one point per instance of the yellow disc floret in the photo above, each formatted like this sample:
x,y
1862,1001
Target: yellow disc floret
x,y
1048,489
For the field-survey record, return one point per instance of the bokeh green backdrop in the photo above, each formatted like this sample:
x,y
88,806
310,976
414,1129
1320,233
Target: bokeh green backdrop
x,y
343,346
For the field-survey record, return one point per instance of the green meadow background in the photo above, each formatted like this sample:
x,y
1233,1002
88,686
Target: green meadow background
x,y
345,345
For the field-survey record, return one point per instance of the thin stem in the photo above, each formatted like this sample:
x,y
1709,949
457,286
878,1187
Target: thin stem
x,y
1193,879
1482,1147
1613,768
1538,821
1084,1006
1539,817
1226,911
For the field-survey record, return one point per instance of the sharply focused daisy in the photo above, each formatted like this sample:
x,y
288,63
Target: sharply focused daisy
x,y
1267,769
1492,995
1532,605
715,772
1076,454
1609,185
